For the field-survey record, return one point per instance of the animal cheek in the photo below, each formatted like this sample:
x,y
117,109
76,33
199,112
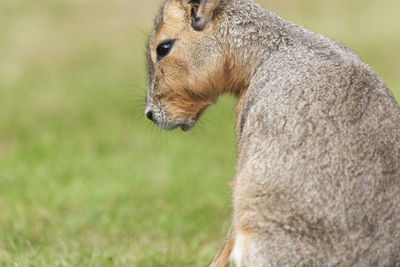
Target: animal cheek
x,y
181,108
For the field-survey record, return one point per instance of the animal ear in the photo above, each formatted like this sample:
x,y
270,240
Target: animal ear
x,y
202,12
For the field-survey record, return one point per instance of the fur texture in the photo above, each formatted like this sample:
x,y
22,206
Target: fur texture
x,y
318,135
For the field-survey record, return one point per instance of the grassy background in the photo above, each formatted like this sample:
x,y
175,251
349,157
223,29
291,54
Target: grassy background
x,y
85,180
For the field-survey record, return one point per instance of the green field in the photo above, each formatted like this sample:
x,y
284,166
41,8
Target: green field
x,y
85,179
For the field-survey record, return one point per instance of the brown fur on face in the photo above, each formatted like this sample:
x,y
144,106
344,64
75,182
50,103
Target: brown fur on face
x,y
195,72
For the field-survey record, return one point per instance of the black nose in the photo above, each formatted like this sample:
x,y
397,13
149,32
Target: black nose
x,y
149,115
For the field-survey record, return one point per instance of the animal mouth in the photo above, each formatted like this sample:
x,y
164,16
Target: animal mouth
x,y
170,124
185,126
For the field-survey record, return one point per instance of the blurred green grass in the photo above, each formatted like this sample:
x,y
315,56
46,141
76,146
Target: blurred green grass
x,y
85,180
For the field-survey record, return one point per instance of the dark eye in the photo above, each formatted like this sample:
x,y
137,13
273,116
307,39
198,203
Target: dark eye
x,y
164,48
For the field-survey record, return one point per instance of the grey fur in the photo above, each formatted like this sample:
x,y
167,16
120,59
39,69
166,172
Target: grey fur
x,y
318,141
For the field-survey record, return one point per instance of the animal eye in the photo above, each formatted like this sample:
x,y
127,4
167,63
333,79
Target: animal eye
x,y
164,48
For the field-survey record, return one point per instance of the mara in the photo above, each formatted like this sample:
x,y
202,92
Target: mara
x,y
317,179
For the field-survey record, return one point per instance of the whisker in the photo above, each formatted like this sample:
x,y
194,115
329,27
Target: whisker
x,y
145,34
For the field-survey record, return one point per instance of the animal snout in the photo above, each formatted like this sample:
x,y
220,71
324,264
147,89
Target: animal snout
x,y
149,114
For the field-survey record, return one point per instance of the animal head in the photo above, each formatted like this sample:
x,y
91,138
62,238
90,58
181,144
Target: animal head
x,y
185,63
